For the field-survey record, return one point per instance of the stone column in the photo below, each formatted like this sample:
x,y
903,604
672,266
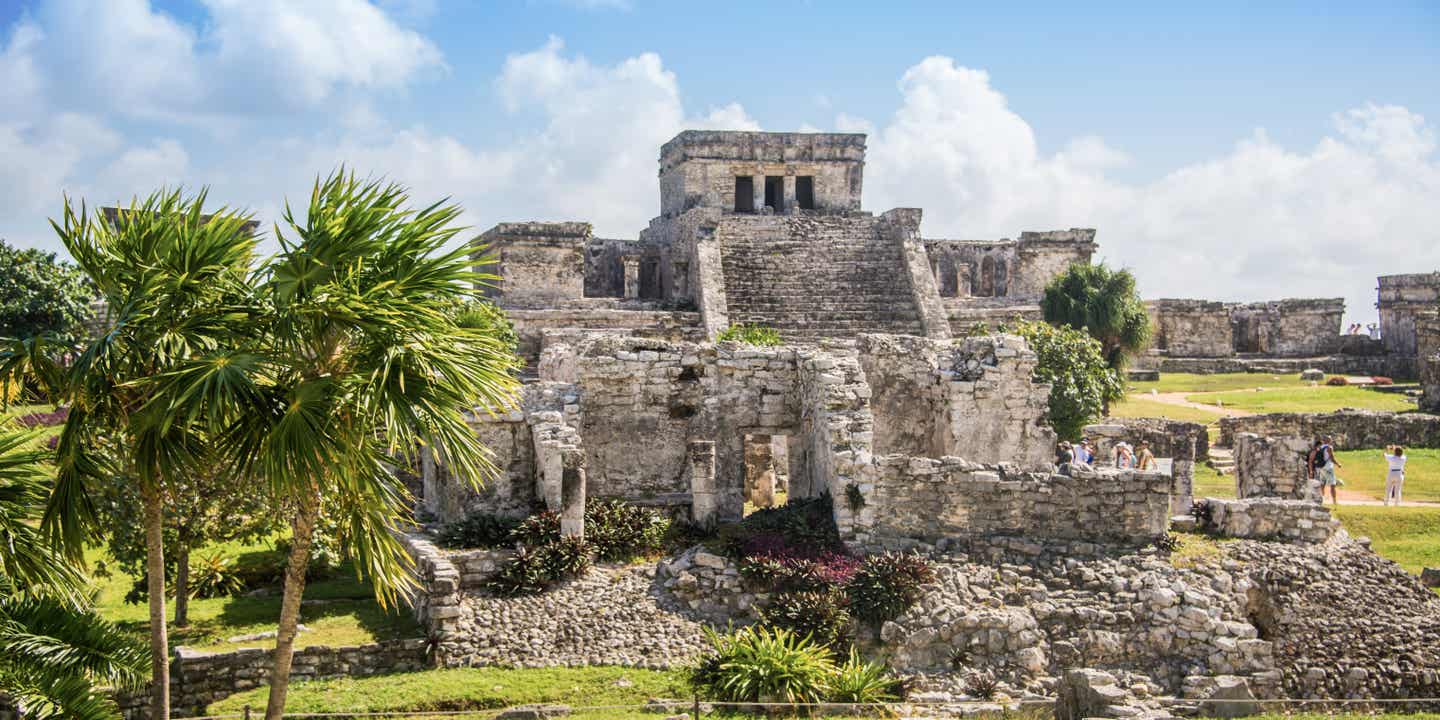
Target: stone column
x,y
789,195
680,279
758,184
572,493
703,498
632,276
759,471
1182,489
549,472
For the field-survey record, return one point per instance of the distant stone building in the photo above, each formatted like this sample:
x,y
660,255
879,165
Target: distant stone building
x,y
758,227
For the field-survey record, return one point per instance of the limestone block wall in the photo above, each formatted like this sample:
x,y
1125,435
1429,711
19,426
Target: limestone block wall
x,y
539,263
901,226
1191,328
1273,467
1273,519
651,320
1288,328
1184,443
920,501
837,435
966,313
698,168
1042,256
198,679
1400,299
1430,382
1352,429
972,398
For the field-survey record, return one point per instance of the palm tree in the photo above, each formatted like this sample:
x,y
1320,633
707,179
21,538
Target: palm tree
x,y
357,361
176,283
53,650
1102,302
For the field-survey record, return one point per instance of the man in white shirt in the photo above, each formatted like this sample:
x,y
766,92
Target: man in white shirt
x,y
1395,478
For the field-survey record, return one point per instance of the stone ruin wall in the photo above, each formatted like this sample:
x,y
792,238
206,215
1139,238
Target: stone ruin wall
x,y
1286,328
1273,467
1352,429
1402,300
668,424
1184,444
929,502
972,399
1428,342
698,168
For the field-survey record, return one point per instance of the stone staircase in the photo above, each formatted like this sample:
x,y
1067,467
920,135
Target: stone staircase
x,y
813,277
1223,460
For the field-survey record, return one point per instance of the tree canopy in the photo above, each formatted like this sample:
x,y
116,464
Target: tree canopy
x,y
1081,383
1104,303
41,294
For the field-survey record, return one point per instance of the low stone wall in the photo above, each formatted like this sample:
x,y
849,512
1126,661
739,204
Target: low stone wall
x,y
709,585
198,679
924,501
1273,467
1391,366
1184,443
601,314
435,600
1273,519
1352,429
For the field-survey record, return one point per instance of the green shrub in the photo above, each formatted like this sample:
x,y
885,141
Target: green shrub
x,y
523,574
857,681
478,530
1073,365
820,615
620,531
565,558
760,664
887,585
802,527
751,334
538,529
215,576
982,684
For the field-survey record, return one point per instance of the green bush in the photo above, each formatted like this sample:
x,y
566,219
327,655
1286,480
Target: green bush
x,y
620,531
1073,364
760,664
751,334
820,615
523,574
857,681
565,558
478,530
802,526
538,529
887,585
215,576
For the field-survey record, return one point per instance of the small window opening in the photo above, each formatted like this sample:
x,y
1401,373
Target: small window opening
x,y
767,471
744,194
805,192
775,192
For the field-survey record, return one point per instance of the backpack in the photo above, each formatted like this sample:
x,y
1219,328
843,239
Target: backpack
x,y
1319,457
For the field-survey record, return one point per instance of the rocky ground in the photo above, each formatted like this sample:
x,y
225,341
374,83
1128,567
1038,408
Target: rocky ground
x,y
612,616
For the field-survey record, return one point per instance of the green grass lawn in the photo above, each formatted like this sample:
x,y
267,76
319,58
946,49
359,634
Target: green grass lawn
x,y
1191,382
1209,483
348,614
478,689
1364,471
1306,400
1139,407
1408,535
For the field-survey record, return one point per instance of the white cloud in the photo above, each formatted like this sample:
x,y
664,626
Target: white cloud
x,y
1260,222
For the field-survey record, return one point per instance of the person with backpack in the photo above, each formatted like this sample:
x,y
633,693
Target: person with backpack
x,y
1323,466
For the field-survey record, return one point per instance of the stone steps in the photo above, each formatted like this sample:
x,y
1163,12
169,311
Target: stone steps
x,y
812,277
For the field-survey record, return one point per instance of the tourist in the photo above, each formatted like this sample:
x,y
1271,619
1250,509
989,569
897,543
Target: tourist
x,y
1064,457
1324,466
1395,479
1085,454
1144,459
1124,456
1374,331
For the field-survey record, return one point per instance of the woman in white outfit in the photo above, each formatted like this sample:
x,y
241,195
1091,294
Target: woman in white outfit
x,y
1395,479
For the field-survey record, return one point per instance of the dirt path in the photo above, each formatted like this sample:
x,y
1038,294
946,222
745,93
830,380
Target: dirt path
x,y
1178,399
1355,497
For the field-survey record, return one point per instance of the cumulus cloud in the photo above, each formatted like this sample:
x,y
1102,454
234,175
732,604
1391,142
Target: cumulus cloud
x,y
1259,222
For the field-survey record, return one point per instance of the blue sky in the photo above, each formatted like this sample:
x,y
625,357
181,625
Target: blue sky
x,y
1222,150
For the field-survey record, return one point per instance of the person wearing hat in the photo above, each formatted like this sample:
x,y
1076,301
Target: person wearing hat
x,y
1124,456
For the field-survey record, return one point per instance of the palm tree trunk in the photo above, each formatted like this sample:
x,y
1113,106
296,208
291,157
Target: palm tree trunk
x,y
182,586
302,530
155,585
